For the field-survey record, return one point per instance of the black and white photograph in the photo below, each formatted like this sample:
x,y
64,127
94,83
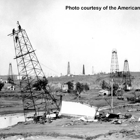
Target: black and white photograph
x,y
69,70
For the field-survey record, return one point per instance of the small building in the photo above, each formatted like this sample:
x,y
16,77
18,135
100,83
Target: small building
x,y
104,92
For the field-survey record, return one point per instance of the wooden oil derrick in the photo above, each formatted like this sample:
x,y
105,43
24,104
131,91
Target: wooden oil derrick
x,y
83,70
92,70
68,69
126,75
114,64
115,74
35,96
10,78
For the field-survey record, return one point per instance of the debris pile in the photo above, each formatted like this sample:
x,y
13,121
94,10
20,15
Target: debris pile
x,y
117,118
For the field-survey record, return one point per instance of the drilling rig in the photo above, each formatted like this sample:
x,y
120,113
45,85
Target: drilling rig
x,y
114,70
33,84
10,78
126,76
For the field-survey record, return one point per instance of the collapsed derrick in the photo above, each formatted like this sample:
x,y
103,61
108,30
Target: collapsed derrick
x,y
35,96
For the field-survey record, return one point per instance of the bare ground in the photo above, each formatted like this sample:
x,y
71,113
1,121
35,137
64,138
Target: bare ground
x,y
64,129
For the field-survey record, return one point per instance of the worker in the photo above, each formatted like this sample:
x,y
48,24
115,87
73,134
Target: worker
x,y
44,82
13,31
16,38
36,118
44,118
19,27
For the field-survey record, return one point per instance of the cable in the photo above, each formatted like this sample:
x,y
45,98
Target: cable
x,y
50,68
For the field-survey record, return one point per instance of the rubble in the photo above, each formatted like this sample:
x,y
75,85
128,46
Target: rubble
x,y
117,121
87,119
132,110
117,118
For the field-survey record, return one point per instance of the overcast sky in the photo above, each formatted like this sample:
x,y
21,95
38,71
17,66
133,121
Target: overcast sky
x,y
78,36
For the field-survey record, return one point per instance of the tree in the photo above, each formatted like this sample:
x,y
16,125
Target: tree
x,y
1,85
40,84
105,85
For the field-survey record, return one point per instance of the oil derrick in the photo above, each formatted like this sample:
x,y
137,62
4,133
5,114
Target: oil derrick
x,y
114,64
68,69
10,78
83,70
92,70
36,98
126,74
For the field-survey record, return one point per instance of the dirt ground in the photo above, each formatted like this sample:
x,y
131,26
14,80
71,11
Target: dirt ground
x,y
70,129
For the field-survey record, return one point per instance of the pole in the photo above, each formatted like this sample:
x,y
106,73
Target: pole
x,y
112,111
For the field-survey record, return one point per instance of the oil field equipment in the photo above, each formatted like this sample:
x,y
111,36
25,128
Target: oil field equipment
x,y
10,78
35,96
126,76
114,70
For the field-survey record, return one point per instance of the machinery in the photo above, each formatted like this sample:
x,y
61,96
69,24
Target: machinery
x,y
33,85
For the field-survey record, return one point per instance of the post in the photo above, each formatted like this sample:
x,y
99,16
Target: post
x,y
112,111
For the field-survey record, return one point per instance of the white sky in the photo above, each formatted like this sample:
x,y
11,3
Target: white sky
x,y
80,37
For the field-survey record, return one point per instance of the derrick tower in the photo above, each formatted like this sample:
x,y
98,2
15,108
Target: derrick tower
x,y
114,64
68,69
92,70
126,74
83,69
35,96
10,78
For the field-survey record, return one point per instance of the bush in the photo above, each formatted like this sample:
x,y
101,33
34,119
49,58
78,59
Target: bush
x,y
86,87
1,85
